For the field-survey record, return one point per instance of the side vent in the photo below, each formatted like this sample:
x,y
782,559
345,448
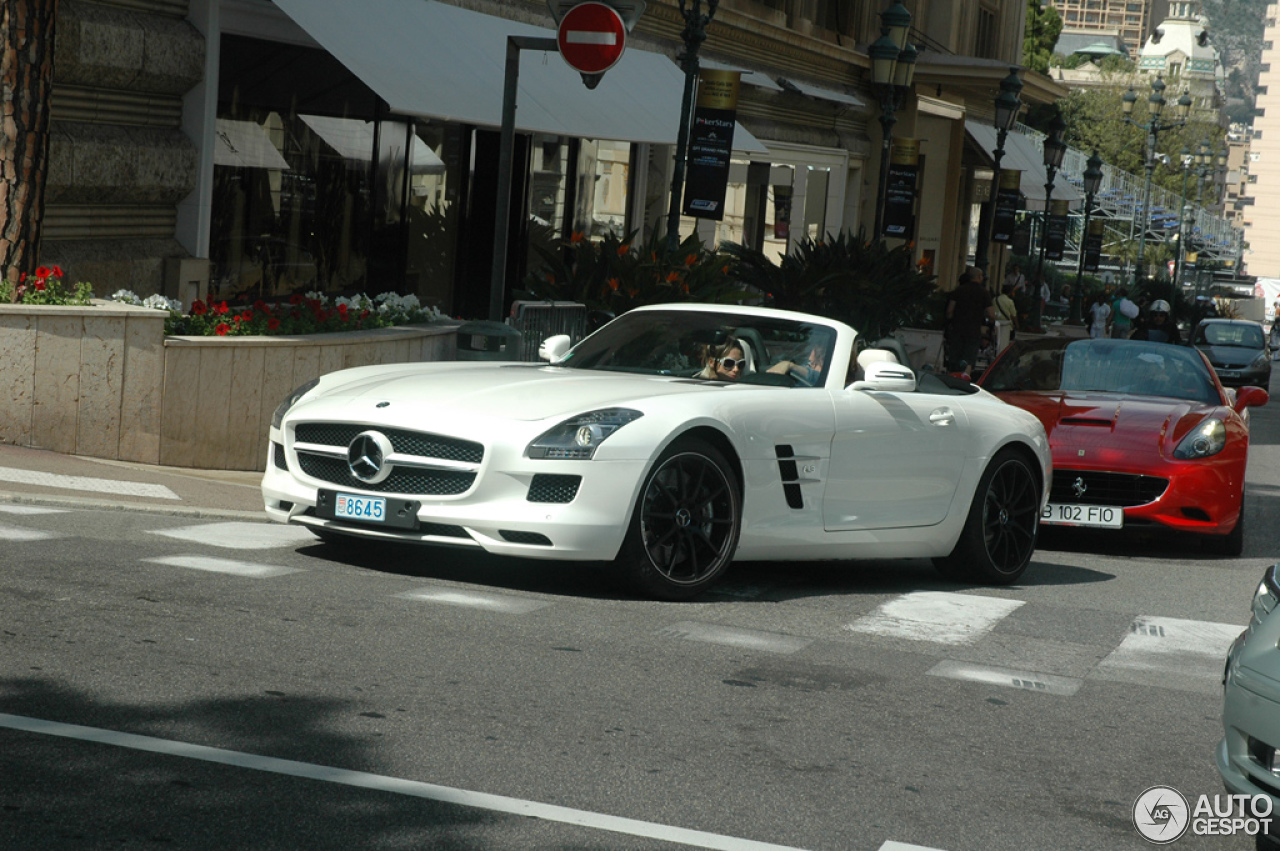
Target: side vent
x,y
790,475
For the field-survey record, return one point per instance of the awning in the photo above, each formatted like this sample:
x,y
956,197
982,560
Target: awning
x,y
244,144
819,93
1022,154
353,139
750,78
433,60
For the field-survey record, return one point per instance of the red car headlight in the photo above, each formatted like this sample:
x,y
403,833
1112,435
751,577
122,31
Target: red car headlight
x,y
1208,438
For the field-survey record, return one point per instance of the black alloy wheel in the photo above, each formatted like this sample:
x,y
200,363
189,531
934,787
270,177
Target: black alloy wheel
x,y
999,535
686,523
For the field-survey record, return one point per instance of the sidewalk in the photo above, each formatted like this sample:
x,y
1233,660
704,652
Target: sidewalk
x,y
40,477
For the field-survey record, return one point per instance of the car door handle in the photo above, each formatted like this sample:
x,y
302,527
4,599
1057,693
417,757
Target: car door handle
x,y
942,417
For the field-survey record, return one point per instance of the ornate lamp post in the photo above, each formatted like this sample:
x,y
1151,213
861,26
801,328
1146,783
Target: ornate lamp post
x,y
1092,182
694,34
892,70
1184,212
1152,128
1008,105
1054,149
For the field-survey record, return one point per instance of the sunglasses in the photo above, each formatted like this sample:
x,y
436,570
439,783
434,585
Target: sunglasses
x,y
730,363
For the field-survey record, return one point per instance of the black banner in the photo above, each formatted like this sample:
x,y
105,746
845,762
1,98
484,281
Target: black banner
x,y
1093,245
1055,234
900,191
1008,200
711,144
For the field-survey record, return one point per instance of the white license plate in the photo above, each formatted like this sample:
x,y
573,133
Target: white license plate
x,y
1102,516
366,508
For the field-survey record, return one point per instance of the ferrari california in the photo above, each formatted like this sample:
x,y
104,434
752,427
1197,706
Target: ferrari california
x,y
672,441
1143,434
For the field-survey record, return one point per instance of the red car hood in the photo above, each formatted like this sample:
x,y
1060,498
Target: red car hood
x,y
1109,430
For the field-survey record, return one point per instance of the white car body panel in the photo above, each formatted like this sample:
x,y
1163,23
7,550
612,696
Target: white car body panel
x,y
878,474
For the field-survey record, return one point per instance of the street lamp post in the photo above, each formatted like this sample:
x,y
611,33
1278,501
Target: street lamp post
x,y
1054,149
694,34
892,69
1008,105
1183,212
1152,128
1092,182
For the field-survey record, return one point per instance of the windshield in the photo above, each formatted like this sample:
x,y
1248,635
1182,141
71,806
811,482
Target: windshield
x,y
1132,367
711,346
1224,334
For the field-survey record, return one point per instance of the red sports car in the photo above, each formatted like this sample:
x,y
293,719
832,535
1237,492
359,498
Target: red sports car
x,y
1142,434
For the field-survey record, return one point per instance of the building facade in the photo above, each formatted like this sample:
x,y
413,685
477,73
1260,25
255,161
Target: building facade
x,y
1260,199
1130,20
248,149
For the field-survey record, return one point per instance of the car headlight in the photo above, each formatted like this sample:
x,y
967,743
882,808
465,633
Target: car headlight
x,y
1261,360
1204,440
578,437
289,401
1267,597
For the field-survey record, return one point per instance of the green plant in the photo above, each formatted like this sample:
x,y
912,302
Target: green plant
x,y
614,274
865,283
45,287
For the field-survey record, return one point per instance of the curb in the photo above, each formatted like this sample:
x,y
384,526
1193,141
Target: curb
x,y
53,501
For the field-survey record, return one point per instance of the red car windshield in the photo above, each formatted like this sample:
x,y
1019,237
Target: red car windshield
x,y
1132,367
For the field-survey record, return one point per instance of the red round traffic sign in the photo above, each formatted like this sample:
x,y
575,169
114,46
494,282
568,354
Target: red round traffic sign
x,y
592,37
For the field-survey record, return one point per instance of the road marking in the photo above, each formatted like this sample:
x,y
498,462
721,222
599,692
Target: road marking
x,y
508,603
1007,677
85,483
939,616
1183,646
30,509
394,785
902,846
751,639
223,565
17,533
241,536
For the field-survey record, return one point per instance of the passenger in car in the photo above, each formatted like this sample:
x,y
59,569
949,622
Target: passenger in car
x,y
725,362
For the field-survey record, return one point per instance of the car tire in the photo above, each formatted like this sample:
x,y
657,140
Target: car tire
x,y
685,525
1231,544
999,534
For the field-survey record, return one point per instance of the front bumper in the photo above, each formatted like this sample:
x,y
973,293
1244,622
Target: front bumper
x,y
1250,720
1201,497
495,514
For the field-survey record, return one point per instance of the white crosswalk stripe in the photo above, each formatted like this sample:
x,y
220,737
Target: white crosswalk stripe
x,y
17,533
85,483
241,536
222,565
939,616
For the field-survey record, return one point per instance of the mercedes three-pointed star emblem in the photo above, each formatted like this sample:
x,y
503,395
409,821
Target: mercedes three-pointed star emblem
x,y
367,457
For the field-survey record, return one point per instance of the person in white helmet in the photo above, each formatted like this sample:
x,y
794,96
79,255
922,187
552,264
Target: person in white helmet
x,y
1158,326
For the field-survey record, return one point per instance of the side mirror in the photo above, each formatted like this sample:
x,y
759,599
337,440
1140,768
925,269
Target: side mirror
x,y
553,348
886,376
1250,397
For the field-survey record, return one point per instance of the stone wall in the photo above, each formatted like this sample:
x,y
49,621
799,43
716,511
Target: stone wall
x,y
105,382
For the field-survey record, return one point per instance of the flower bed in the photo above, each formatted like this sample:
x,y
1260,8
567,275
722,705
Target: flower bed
x,y
103,380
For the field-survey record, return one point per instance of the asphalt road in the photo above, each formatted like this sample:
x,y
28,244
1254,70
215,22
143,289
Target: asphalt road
x,y
172,678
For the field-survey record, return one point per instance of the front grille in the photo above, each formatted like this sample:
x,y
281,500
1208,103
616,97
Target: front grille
x,y
1118,489
547,487
277,456
402,441
406,480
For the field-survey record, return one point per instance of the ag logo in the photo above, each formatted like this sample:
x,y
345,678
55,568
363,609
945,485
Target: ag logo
x,y
1161,814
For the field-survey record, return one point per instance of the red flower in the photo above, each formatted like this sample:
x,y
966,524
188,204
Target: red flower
x,y
613,283
222,330
577,236
199,308
261,306
672,277
39,283
57,271
22,277
296,298
273,324
623,249
342,311
42,272
691,259
221,309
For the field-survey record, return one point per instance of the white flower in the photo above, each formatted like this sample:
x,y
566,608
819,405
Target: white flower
x,y
126,296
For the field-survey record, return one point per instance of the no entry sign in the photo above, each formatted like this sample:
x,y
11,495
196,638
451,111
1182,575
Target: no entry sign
x,y
592,37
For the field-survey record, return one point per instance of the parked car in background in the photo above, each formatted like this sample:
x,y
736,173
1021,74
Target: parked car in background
x,y
1143,434
1237,349
1248,756
631,448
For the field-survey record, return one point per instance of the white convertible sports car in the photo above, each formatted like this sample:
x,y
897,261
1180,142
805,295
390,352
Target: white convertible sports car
x,y
801,445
